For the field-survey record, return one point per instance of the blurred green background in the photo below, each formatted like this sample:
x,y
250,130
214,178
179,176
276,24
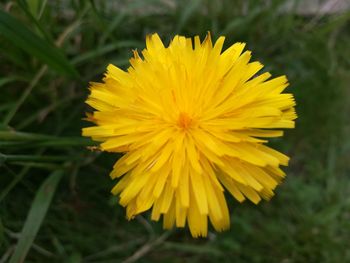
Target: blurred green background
x,y
55,204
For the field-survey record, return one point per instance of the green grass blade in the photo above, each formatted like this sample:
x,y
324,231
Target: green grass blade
x,y
31,9
33,158
42,165
191,248
186,13
35,216
18,177
14,31
9,137
2,231
6,80
34,7
100,51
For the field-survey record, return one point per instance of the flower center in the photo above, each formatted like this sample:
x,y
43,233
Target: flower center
x,y
184,121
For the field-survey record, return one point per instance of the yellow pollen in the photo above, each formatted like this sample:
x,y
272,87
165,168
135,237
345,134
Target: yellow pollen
x,y
184,121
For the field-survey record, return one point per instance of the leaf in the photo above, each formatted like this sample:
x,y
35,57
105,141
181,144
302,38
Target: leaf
x,y
33,158
34,7
186,13
100,51
35,216
14,31
2,231
10,137
4,81
191,248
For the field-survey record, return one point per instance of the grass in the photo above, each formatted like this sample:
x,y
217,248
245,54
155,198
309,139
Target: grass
x,y
50,50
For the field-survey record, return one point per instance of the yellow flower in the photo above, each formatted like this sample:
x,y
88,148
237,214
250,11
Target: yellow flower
x,y
190,120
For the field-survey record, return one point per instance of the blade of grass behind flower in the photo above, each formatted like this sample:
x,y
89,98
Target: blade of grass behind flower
x,y
32,9
119,18
36,7
10,137
2,231
191,248
36,216
33,158
6,80
186,13
99,51
14,31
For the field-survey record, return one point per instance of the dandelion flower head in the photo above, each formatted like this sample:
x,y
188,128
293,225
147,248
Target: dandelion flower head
x,y
192,121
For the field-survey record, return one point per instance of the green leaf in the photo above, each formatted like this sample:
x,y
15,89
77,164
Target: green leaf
x,y
34,7
14,31
186,13
36,216
100,51
8,136
6,80
191,248
11,135
33,158
2,231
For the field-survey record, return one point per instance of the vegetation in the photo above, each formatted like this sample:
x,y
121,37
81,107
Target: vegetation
x,y
55,204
